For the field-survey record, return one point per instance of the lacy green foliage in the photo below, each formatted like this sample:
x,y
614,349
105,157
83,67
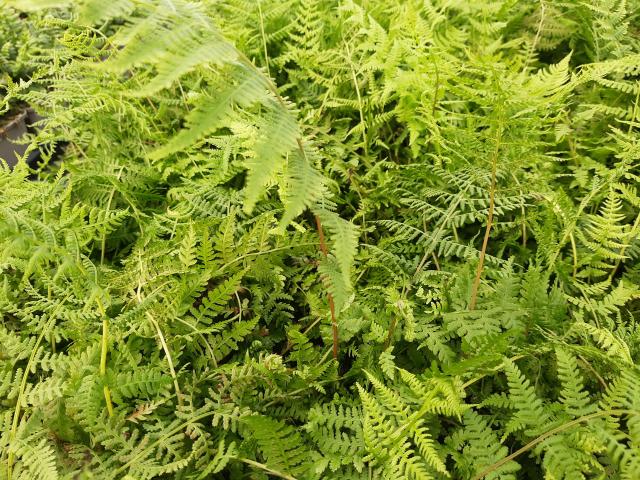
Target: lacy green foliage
x,y
233,177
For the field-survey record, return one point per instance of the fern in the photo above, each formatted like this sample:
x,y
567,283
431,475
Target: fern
x,y
320,239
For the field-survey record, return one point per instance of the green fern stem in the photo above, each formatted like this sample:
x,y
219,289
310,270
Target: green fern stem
x,y
103,357
332,309
167,353
263,467
550,433
264,39
574,251
473,380
360,107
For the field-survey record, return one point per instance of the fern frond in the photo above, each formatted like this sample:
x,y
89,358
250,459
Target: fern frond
x,y
280,444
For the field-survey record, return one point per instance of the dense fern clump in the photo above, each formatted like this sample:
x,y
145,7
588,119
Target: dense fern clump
x,y
321,239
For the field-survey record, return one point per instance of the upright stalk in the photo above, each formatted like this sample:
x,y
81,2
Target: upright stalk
x,y
323,245
487,232
103,357
332,308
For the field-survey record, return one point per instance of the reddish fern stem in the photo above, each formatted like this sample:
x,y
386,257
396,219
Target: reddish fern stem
x,y
332,308
487,232
483,251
